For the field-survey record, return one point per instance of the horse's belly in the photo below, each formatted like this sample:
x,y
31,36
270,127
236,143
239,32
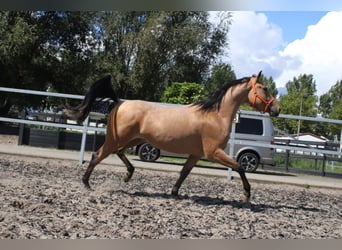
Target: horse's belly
x,y
188,145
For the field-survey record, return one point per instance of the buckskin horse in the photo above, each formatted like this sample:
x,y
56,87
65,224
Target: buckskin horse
x,y
198,129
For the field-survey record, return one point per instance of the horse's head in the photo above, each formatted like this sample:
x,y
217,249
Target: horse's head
x,y
260,98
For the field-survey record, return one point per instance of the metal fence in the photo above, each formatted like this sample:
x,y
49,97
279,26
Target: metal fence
x,y
290,149
84,128
285,147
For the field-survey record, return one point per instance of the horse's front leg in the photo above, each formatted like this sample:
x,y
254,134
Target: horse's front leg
x,y
221,157
189,164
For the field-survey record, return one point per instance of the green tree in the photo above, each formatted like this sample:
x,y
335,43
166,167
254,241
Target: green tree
x,y
69,46
300,92
270,83
336,113
19,58
304,84
147,51
41,49
220,74
330,106
183,93
329,100
144,51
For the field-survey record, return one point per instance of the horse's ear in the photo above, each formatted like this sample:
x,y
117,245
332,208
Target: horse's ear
x,y
259,75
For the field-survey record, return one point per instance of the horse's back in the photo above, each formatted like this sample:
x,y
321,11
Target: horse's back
x,y
156,116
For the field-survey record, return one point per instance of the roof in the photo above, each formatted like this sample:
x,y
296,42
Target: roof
x,y
305,137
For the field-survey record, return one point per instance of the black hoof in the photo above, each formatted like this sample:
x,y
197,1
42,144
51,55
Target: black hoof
x,y
128,177
174,192
86,184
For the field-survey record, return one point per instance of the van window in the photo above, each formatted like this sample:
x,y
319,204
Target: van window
x,y
250,126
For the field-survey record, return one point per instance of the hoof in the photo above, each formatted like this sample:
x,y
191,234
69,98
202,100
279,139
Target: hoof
x,y
86,184
127,177
246,198
88,187
174,192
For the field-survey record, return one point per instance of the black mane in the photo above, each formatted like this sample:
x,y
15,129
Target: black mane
x,y
214,101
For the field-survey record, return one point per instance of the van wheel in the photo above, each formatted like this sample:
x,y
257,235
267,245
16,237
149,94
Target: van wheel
x,y
147,152
249,161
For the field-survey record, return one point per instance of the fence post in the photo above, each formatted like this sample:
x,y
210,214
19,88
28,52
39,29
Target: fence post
x,y
287,157
21,128
84,139
316,158
324,163
340,143
324,160
94,138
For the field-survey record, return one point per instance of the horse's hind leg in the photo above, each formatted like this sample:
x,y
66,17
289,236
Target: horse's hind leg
x,y
128,164
130,168
189,164
91,166
96,158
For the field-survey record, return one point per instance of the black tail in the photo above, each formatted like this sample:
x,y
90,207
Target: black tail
x,y
100,89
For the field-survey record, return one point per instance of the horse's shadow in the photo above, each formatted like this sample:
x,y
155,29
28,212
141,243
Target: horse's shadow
x,y
210,201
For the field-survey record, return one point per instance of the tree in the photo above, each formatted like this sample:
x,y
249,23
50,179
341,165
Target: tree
x,y
41,49
300,92
69,46
183,93
19,57
146,51
330,106
270,83
330,99
336,113
304,84
220,74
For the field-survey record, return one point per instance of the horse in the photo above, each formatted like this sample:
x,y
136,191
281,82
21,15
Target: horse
x,y
200,129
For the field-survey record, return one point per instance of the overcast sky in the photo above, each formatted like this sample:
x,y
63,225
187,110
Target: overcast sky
x,y
286,44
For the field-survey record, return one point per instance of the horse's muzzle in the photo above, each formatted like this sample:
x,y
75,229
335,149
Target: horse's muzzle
x,y
274,111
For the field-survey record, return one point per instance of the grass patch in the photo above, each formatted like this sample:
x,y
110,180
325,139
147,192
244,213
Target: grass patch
x,y
300,163
310,164
181,161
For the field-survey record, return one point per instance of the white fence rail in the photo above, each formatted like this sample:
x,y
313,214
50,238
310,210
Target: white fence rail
x,y
85,128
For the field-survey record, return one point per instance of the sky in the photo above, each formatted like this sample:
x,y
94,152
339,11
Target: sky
x,y
286,44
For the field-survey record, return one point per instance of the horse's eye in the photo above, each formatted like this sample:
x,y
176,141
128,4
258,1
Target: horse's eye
x,y
265,88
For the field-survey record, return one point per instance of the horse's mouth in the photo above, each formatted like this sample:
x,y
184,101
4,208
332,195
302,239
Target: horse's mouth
x,y
274,113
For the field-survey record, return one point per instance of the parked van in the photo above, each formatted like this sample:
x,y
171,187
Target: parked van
x,y
249,128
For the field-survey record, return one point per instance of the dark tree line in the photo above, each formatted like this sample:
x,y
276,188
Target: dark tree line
x,y
144,51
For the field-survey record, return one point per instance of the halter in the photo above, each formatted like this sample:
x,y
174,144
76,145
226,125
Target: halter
x,y
256,95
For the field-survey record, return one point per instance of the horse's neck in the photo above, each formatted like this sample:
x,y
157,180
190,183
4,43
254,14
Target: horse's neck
x,y
233,99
